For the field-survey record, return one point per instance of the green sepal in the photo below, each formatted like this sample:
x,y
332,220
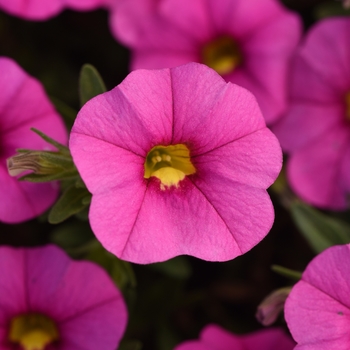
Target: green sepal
x,y
285,272
320,230
64,149
71,202
90,83
63,175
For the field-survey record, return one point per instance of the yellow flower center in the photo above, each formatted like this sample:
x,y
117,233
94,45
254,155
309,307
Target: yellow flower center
x,y
347,106
170,164
222,54
32,331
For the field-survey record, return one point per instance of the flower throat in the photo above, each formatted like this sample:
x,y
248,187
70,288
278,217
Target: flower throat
x,y
222,54
170,164
32,331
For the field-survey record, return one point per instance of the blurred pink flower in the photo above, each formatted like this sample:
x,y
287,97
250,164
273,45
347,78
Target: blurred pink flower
x,y
248,42
24,104
49,301
213,337
316,130
178,162
317,310
44,9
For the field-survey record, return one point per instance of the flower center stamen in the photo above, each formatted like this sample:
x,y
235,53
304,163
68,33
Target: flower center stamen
x,y
347,106
33,331
170,164
222,54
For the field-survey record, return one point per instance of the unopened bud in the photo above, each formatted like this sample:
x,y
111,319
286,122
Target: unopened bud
x,y
271,306
23,162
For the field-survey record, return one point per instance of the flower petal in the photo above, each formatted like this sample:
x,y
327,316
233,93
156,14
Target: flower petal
x,y
208,113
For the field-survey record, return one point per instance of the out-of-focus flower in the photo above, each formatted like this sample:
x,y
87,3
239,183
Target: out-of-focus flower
x,y
317,310
316,130
49,301
248,42
24,104
44,9
213,337
178,162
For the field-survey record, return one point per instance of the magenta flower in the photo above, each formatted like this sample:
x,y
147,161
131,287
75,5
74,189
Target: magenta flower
x,y
178,162
44,9
213,337
316,130
248,42
49,301
317,310
24,104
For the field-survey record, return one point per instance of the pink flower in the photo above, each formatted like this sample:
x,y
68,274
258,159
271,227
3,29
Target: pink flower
x,y
49,301
44,9
317,310
248,42
178,162
24,104
215,338
316,130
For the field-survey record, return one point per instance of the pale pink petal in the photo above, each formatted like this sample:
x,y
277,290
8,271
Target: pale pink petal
x,y
50,276
220,339
22,201
13,293
206,105
317,309
231,16
215,338
141,107
149,59
306,122
329,39
24,104
268,339
43,9
313,172
168,223
191,17
254,160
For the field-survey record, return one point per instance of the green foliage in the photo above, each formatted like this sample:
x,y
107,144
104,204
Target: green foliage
x,y
178,267
73,200
90,83
320,230
330,9
283,271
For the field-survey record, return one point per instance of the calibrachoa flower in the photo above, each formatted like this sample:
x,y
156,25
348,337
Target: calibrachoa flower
x,y
44,9
248,42
24,104
317,310
49,301
213,337
178,162
316,130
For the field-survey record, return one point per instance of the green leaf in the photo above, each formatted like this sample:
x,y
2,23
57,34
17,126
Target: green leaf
x,y
70,203
177,267
90,83
321,231
68,113
330,9
120,271
283,271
